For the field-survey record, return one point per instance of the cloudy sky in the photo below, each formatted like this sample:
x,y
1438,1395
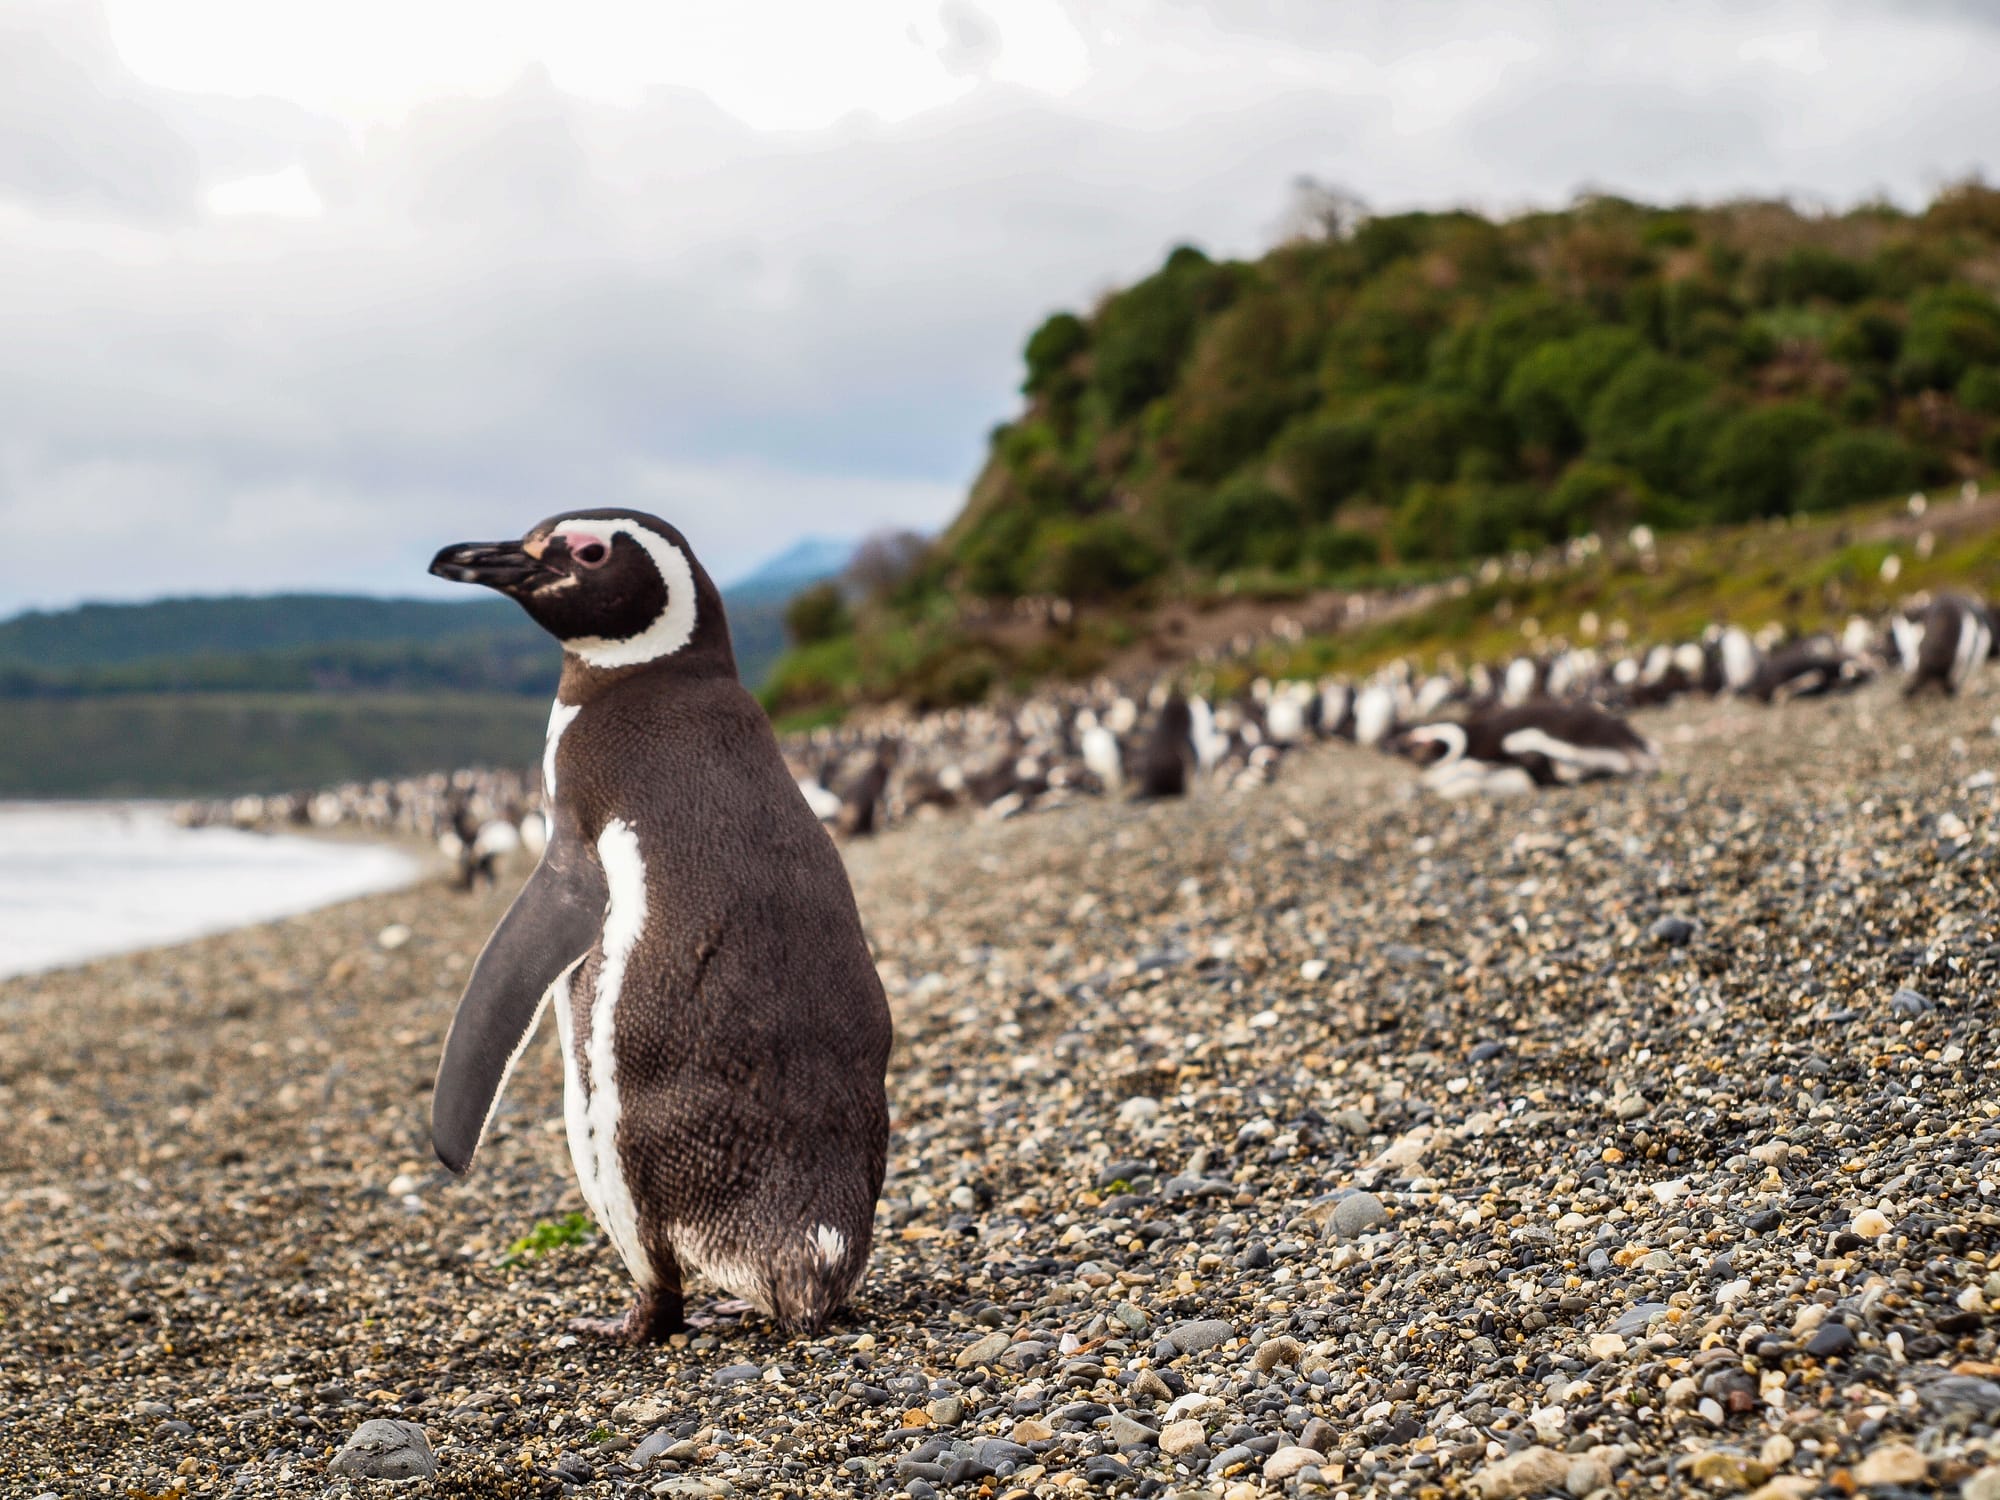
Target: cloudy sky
x,y
292,294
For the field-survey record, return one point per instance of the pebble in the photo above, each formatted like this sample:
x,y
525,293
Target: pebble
x,y
1177,1438
1357,1214
1870,1224
1892,1463
1985,1485
1531,1471
1273,1353
1675,932
1832,1341
984,1351
386,1449
1203,1333
1287,1462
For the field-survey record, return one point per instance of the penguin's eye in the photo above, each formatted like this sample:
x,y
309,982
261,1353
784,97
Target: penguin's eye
x,y
592,554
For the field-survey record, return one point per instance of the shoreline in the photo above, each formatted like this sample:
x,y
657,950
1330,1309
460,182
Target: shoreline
x,y
97,879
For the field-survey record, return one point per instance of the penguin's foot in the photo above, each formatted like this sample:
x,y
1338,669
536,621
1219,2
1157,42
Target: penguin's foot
x,y
728,1310
649,1320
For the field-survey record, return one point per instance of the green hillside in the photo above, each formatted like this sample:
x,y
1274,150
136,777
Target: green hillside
x,y
109,635
187,744
1394,395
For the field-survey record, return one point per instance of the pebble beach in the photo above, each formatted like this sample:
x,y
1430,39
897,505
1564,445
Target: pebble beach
x,y
1324,1139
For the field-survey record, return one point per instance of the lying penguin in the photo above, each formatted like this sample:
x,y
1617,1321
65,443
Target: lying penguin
x,y
1507,750
724,1032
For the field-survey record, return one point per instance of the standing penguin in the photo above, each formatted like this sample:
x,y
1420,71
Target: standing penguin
x,y
724,1033
1951,640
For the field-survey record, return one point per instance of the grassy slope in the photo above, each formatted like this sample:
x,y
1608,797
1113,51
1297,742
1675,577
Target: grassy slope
x,y
1806,575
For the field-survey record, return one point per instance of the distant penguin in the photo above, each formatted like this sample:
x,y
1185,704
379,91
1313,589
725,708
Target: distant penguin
x,y
1103,757
1739,659
1956,636
1169,756
861,806
1374,714
724,1032
1550,743
1805,669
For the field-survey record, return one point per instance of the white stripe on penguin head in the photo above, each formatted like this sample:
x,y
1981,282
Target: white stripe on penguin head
x,y
675,626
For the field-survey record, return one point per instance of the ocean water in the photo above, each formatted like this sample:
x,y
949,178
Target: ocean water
x,y
82,880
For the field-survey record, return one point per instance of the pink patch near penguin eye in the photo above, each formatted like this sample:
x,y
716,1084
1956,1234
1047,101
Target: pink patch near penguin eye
x,y
590,551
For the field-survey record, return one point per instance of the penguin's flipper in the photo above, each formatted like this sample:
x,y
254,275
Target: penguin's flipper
x,y
551,924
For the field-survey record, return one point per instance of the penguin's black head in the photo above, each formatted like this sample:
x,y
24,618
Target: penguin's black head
x,y
618,588
1428,744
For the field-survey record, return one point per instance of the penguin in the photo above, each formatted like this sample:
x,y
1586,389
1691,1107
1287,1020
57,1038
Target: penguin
x,y
1170,752
1550,743
1947,646
1809,668
859,808
724,1032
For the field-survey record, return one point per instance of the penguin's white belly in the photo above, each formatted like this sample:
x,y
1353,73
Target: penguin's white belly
x,y
591,1106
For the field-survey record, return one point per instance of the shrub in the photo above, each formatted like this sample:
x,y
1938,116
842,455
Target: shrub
x,y
1845,468
1233,430
1552,388
1872,334
995,553
1051,350
1979,390
1624,411
1144,333
1808,274
1591,495
1243,523
1093,559
818,614
1339,550
1754,466
1478,358
1421,439
1671,456
1441,522
1952,329
1323,460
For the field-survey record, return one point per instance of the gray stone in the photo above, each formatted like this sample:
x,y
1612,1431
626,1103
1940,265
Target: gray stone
x,y
985,1351
1129,1432
1635,1320
382,1449
1675,932
730,1375
650,1449
1357,1214
1202,1333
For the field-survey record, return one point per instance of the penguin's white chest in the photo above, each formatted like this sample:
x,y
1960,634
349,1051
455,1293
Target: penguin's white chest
x,y
592,1109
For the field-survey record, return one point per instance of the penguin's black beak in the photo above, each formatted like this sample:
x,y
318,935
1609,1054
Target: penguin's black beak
x,y
505,566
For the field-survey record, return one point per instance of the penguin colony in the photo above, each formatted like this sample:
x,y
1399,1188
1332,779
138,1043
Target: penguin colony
x,y
1070,743
724,1033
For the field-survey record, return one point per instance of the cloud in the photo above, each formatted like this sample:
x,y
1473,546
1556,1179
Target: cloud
x,y
513,303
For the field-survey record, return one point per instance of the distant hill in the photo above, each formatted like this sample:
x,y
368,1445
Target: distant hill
x,y
105,635
265,693
293,643
805,562
1390,396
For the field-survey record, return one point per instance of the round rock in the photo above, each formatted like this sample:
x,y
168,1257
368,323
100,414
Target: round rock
x,y
383,1449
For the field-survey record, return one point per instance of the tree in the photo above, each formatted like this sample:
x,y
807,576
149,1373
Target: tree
x,y
884,561
818,614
